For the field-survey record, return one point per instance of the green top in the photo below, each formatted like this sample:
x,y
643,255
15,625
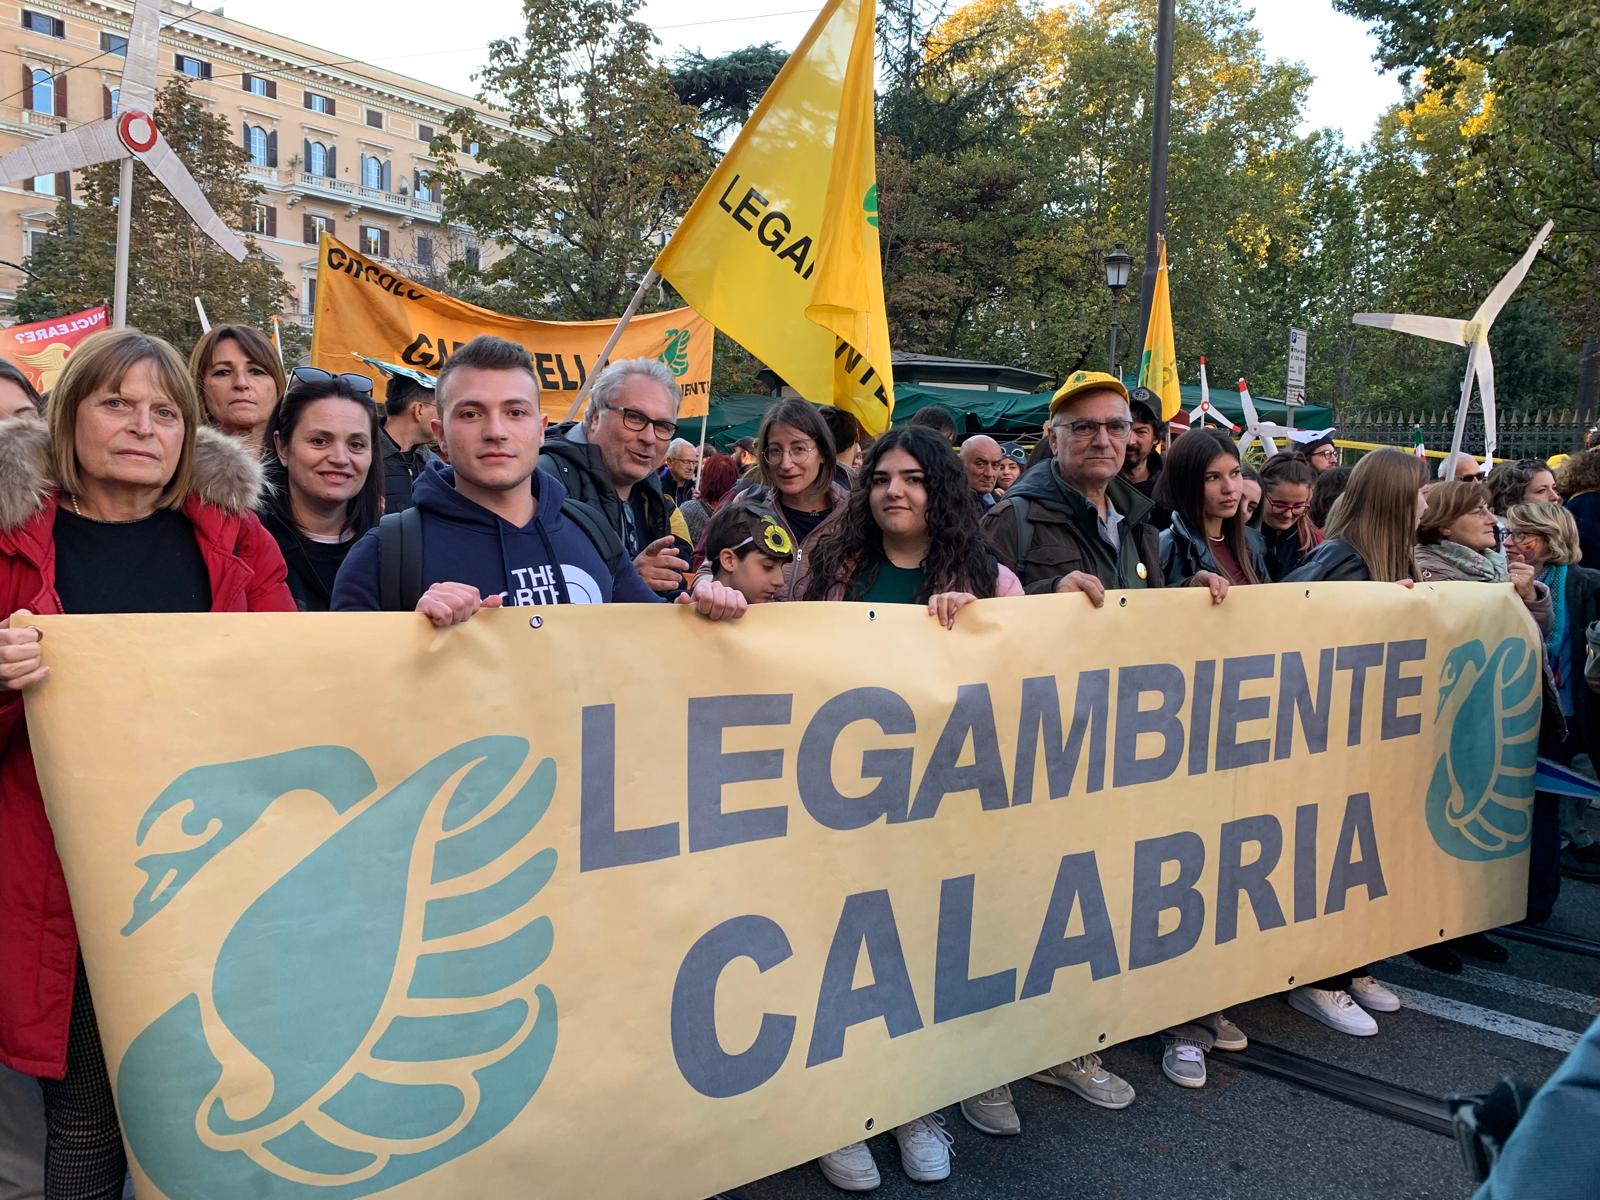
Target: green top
x,y
893,585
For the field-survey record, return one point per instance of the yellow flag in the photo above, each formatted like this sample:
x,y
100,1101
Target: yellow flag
x,y
1158,367
780,249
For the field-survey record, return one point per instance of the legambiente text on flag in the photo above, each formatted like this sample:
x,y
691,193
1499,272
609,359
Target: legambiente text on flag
x,y
780,249
1158,366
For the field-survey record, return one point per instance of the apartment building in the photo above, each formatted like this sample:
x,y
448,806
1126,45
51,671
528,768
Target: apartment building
x,y
336,145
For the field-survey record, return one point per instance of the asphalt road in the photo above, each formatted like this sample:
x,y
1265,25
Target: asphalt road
x,y
1248,1136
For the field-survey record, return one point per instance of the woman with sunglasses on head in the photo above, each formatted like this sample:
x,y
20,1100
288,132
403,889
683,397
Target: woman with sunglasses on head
x,y
907,534
240,379
1545,537
325,493
1287,534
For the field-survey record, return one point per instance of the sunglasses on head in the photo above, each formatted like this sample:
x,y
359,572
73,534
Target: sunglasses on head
x,y
356,383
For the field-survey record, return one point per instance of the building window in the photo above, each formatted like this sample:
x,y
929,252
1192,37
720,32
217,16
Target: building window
x,y
472,149
424,251
39,23
424,132
46,185
375,173
255,140
422,186
264,220
472,257
315,227
374,118
195,68
374,241
319,103
32,240
110,99
319,161
311,293
42,96
114,43
258,86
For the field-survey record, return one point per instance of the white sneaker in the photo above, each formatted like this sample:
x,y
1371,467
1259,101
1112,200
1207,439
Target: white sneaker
x,y
850,1168
993,1112
1334,1009
925,1148
1372,995
1088,1077
1224,1033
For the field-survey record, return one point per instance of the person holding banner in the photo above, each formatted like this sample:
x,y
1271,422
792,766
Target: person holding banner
x,y
122,503
611,460
1202,485
487,531
906,535
325,492
1071,523
1371,534
240,379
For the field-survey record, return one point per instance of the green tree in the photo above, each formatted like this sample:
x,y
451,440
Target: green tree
x,y
601,164
727,88
170,261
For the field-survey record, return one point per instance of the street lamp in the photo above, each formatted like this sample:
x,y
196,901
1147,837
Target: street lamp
x,y
1119,265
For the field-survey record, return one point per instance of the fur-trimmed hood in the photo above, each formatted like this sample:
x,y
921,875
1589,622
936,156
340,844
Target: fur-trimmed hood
x,y
226,475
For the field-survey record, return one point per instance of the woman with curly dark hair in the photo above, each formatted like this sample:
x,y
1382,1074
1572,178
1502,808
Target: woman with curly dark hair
x,y
908,534
1526,481
1579,481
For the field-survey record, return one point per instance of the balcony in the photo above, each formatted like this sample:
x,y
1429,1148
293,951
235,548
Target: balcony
x,y
44,122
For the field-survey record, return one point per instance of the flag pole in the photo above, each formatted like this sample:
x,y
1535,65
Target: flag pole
x,y
119,287
205,322
611,343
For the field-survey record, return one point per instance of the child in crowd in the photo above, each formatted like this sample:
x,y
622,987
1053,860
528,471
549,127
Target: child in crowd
x,y
747,548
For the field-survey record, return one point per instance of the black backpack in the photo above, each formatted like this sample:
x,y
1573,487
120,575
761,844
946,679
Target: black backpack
x,y
400,551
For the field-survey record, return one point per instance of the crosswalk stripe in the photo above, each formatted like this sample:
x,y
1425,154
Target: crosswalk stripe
x,y
1462,1013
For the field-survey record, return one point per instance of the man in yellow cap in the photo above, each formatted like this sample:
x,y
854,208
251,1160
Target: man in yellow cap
x,y
1071,524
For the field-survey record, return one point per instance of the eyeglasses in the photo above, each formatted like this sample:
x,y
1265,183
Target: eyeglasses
x,y
1522,535
356,383
1288,508
799,452
1469,478
635,420
1328,452
1083,430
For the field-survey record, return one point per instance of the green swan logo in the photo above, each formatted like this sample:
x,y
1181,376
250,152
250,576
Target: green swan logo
x,y
373,1014
1480,798
676,353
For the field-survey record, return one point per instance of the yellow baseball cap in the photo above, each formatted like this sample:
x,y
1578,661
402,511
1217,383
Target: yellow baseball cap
x,y
1086,381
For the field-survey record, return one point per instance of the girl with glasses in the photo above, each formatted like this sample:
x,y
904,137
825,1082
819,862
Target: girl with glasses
x,y
1287,534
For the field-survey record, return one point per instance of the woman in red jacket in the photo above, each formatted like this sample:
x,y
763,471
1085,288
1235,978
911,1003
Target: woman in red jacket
x,y
123,503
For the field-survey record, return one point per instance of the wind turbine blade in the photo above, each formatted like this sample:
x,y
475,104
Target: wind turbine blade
x,y
1461,410
71,151
1491,436
1251,420
137,91
1490,308
1439,329
175,177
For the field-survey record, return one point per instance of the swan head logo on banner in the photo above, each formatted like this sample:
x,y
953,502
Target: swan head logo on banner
x,y
1480,799
400,1024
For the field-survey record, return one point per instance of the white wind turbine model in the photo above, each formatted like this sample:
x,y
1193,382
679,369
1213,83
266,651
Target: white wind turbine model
x,y
1257,430
131,134
1205,409
1473,334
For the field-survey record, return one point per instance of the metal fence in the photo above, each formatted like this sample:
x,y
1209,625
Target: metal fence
x,y
1537,434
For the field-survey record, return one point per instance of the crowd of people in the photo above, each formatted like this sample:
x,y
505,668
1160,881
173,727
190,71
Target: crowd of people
x,y
148,484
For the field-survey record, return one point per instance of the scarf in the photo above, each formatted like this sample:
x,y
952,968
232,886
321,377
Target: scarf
x,y
1555,578
1449,561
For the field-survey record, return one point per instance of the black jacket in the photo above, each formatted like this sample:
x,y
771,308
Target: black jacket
x,y
1183,554
1332,562
583,472
400,471
1281,549
1583,600
1044,530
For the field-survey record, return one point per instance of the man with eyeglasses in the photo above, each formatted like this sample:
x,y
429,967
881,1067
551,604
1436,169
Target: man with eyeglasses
x,y
1322,454
407,433
1072,523
1468,469
612,460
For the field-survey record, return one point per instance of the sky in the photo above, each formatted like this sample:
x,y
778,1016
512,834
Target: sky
x,y
409,37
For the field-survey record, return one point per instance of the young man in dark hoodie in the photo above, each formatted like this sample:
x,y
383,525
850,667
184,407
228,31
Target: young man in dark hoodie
x,y
612,460
493,530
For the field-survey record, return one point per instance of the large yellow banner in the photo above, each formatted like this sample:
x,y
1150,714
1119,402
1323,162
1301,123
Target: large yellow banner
x,y
364,307
751,912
